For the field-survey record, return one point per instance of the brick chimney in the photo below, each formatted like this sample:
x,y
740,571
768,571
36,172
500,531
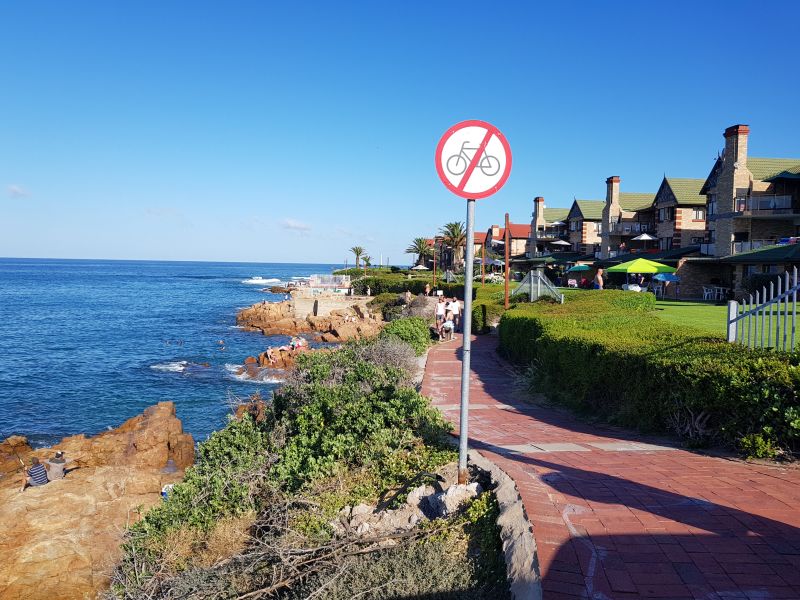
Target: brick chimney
x,y
537,221
733,181
611,212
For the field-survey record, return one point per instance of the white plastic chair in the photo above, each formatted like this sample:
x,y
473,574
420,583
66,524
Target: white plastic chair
x,y
658,290
709,293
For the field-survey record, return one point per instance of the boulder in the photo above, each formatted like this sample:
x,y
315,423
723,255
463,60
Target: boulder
x,y
62,540
13,449
448,502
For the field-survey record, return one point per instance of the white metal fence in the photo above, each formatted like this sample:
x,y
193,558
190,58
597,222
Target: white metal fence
x,y
766,319
537,285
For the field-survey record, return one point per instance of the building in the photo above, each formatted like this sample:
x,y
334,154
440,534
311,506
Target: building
x,y
520,240
584,221
680,213
751,202
548,225
625,215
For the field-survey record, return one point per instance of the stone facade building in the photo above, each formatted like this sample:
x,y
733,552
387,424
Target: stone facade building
x,y
680,213
520,239
585,222
622,218
548,225
752,202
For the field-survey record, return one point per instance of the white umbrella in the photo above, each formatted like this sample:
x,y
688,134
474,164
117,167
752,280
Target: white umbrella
x,y
645,237
557,224
560,243
420,268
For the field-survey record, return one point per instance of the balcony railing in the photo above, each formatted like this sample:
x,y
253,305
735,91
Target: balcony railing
x,y
551,232
630,228
708,249
764,205
739,247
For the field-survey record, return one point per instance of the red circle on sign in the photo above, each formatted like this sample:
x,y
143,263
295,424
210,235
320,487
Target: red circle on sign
x,y
491,131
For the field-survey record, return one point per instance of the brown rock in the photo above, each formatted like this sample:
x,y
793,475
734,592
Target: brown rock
x,y
61,540
13,449
250,360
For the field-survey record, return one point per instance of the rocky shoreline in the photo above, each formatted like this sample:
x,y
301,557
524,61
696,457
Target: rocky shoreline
x,y
62,540
342,325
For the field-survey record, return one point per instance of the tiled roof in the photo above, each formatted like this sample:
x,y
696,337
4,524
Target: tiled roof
x,y
591,210
687,191
552,215
480,237
773,168
631,201
769,255
517,230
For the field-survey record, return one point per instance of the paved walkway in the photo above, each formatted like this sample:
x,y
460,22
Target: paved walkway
x,y
618,518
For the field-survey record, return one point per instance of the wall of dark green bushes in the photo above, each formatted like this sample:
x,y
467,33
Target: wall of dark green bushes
x,y
606,353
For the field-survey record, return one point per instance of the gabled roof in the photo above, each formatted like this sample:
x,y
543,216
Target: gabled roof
x,y
766,169
480,237
632,201
551,215
589,210
711,180
686,191
768,255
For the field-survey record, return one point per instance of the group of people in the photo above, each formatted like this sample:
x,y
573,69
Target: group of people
x,y
448,317
42,473
296,343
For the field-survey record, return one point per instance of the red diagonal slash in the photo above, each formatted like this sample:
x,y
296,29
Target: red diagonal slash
x,y
475,159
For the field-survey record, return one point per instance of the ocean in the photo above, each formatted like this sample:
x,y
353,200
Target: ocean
x,y
87,344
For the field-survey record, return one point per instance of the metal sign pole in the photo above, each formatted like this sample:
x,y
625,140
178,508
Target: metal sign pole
x,y
466,328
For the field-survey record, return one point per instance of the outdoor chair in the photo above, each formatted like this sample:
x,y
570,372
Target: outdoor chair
x,y
709,293
658,290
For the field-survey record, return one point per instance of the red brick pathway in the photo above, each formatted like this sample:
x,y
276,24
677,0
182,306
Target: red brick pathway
x,y
617,518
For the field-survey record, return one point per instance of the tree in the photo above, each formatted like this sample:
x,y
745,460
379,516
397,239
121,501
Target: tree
x,y
359,252
367,260
454,235
421,248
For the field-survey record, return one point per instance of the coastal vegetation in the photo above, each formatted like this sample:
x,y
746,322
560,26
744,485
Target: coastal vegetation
x,y
454,237
257,514
607,354
420,248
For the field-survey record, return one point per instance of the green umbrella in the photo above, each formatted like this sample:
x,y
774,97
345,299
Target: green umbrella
x,y
577,268
641,265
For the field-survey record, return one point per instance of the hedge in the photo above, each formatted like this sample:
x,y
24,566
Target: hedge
x,y
412,330
398,285
606,353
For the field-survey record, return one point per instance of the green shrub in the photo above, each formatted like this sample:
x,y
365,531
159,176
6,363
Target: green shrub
x,y
605,353
389,304
398,284
414,331
755,445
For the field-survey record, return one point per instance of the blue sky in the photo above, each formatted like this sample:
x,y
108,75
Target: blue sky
x,y
256,131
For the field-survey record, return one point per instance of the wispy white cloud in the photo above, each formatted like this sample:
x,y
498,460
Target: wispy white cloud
x,y
295,225
17,191
344,232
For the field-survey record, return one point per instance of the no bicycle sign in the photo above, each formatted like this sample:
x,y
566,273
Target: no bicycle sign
x,y
473,159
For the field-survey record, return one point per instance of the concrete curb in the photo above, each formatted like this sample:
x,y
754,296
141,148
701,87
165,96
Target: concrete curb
x,y
519,545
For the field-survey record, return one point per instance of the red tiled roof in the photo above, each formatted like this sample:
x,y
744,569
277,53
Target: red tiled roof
x,y
480,237
517,230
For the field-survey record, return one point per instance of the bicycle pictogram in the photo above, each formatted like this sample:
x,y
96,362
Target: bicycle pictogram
x,y
458,163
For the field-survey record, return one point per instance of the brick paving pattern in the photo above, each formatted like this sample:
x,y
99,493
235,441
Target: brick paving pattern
x,y
616,517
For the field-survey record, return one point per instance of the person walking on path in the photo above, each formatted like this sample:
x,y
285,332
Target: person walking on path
x,y
455,308
598,280
440,306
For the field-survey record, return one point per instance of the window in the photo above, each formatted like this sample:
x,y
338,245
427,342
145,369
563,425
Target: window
x,y
711,205
666,214
598,227
697,240
573,225
698,213
665,243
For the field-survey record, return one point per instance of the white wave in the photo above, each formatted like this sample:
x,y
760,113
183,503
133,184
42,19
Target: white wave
x,y
178,366
260,280
263,375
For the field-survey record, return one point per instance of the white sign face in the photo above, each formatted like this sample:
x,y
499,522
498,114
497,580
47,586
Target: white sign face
x,y
473,159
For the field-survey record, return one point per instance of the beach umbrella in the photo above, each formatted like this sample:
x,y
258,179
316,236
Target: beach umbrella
x,y
671,277
560,243
420,268
557,224
641,265
577,268
645,237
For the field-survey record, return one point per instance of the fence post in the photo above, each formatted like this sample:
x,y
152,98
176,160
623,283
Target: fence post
x,y
733,309
530,285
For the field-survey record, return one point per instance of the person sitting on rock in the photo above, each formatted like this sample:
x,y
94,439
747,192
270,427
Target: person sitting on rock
x,y
36,475
55,470
271,356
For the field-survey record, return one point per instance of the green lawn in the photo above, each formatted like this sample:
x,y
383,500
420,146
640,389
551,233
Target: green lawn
x,y
707,317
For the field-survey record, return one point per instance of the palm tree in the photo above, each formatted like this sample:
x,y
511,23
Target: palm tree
x,y
454,235
421,248
359,252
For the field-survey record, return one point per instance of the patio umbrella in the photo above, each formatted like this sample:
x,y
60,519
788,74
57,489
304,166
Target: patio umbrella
x,y
641,265
560,243
644,237
420,268
578,268
557,224
666,277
